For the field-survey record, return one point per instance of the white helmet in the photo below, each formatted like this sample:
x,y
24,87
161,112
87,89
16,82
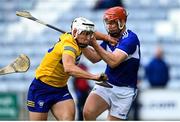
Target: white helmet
x,y
82,24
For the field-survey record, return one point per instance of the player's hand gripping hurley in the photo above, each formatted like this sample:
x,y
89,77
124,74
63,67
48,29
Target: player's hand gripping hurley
x,y
20,64
102,81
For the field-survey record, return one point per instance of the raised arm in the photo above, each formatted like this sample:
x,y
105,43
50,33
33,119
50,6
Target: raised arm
x,y
105,37
113,59
91,54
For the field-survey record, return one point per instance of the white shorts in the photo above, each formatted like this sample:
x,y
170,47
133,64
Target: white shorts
x,y
119,99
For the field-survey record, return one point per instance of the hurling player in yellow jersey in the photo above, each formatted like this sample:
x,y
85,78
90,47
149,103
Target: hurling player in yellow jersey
x,y
48,90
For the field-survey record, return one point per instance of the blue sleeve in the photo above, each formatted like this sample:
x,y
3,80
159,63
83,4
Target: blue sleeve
x,y
128,45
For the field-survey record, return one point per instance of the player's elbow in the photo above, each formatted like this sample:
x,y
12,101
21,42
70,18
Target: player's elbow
x,y
113,64
94,61
68,69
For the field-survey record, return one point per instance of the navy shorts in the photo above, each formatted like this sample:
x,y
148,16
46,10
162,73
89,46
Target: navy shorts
x,y
41,97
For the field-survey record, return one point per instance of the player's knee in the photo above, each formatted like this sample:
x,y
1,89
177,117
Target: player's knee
x,y
70,116
88,114
66,118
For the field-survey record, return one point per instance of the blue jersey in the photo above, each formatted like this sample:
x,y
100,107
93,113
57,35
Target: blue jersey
x,y
125,74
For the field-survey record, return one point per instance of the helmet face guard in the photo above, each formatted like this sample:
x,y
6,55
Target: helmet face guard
x,y
83,25
113,16
117,24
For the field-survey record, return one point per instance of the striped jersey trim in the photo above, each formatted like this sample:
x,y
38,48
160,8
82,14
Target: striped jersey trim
x,y
70,49
125,34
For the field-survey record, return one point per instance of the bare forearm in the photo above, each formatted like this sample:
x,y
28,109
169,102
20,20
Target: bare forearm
x,y
91,54
101,36
105,55
75,71
105,37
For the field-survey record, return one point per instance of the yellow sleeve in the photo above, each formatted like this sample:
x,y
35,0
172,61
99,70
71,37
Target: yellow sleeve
x,y
70,51
70,47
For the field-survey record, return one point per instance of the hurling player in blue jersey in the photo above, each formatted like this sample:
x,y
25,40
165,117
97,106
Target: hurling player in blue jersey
x,y
122,61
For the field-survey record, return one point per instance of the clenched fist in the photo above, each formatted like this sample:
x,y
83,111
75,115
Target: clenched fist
x,y
102,81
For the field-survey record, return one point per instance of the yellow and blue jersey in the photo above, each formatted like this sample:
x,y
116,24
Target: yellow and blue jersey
x,y
50,70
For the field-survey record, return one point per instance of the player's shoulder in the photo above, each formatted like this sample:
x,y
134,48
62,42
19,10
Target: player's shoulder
x,y
68,39
66,36
68,42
